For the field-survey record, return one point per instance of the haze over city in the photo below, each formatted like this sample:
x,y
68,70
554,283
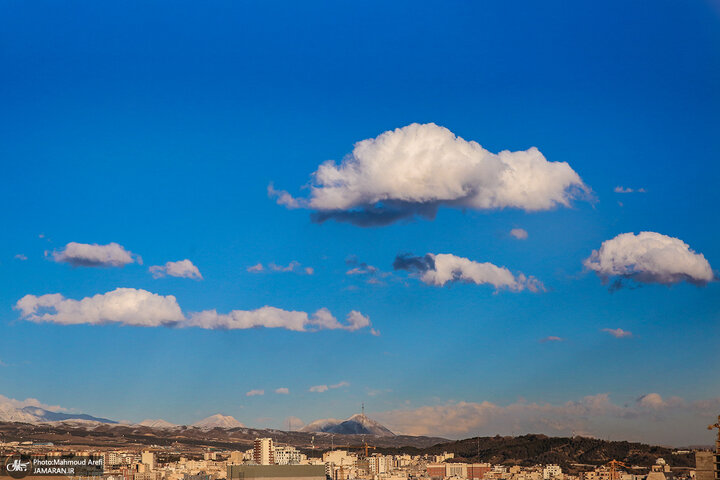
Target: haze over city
x,y
474,218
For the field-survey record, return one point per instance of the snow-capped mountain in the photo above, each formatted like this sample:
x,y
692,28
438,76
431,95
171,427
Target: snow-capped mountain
x,y
48,416
217,421
357,424
158,423
30,414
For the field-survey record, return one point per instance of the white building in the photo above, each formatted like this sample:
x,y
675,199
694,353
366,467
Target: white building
x,y
552,471
288,455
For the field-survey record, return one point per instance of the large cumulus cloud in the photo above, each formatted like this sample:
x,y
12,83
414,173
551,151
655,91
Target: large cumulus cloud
x,y
649,257
439,269
416,169
137,307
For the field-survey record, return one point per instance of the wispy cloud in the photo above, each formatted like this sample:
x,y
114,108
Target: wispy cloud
x,y
552,338
20,257
325,388
255,393
618,332
621,189
94,255
137,307
293,266
282,391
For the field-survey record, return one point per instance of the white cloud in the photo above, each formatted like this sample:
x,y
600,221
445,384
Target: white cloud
x,y
649,257
519,233
621,189
126,306
458,419
136,307
416,169
257,268
652,400
254,393
439,269
30,402
21,257
618,332
282,391
552,338
309,270
94,255
181,268
272,317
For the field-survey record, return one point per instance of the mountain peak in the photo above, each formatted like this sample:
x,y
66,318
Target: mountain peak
x,y
218,421
358,424
157,423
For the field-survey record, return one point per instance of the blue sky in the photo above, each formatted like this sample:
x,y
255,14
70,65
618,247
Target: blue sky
x,y
159,127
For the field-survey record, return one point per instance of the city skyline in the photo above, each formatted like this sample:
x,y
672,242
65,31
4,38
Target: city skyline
x,y
477,219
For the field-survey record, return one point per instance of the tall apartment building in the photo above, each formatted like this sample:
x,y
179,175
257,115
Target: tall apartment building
x,y
148,458
264,451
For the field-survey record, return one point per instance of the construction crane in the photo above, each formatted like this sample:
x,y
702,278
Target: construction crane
x,y
717,442
613,464
364,446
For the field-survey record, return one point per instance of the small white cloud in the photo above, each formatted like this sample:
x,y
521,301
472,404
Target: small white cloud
x,y
309,270
257,268
649,257
519,233
416,169
340,384
442,268
181,269
617,332
282,391
94,255
284,198
255,393
20,257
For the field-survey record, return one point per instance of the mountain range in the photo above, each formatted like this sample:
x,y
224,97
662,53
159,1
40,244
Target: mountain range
x,y
358,424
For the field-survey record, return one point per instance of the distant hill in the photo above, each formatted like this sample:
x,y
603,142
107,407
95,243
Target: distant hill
x,y
540,449
358,424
